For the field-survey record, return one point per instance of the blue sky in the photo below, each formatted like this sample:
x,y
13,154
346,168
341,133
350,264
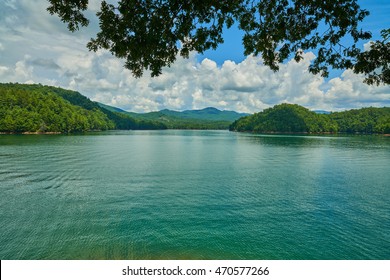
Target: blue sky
x,y
37,48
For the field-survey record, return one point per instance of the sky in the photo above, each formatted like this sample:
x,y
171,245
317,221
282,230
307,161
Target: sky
x,y
36,47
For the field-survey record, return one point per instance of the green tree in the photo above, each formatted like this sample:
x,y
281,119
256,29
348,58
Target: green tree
x,y
376,61
37,108
291,118
276,29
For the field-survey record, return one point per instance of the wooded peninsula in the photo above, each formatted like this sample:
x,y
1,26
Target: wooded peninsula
x,y
292,118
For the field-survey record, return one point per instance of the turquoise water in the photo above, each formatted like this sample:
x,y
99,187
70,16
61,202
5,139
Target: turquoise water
x,y
194,195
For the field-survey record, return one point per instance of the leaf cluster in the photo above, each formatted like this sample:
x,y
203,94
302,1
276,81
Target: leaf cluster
x,y
149,34
375,62
70,12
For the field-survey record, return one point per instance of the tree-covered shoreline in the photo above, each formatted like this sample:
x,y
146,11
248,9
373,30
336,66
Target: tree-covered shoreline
x,y
14,107
293,119
38,109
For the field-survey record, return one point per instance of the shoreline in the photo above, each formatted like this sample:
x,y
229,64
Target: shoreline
x,y
29,133
309,133
234,131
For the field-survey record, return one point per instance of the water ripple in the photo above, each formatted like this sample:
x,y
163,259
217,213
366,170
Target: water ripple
x,y
194,195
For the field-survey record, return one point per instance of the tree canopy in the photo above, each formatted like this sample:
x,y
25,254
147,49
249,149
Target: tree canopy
x,y
38,108
149,34
292,118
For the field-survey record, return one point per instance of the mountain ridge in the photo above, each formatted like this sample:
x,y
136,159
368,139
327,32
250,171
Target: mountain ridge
x,y
206,118
206,110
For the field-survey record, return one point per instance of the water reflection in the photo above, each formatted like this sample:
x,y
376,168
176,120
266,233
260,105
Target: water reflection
x,y
342,141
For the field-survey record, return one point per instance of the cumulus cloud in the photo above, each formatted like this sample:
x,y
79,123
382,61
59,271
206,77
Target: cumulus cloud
x,y
3,70
45,52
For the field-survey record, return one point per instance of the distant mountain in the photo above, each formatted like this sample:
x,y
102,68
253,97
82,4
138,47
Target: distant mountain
x,y
207,118
209,113
322,112
111,108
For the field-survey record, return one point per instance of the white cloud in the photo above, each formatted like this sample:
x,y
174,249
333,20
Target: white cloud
x,y
348,91
3,70
38,48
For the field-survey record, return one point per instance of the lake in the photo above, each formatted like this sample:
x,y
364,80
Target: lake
x,y
194,195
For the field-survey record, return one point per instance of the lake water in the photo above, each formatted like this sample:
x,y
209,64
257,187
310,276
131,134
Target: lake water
x,y
194,195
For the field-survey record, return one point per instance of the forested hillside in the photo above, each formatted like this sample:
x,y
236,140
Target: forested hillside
x,y
37,108
366,120
120,118
291,118
43,109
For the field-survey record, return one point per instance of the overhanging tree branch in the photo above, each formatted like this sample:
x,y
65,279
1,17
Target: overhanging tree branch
x,y
146,33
